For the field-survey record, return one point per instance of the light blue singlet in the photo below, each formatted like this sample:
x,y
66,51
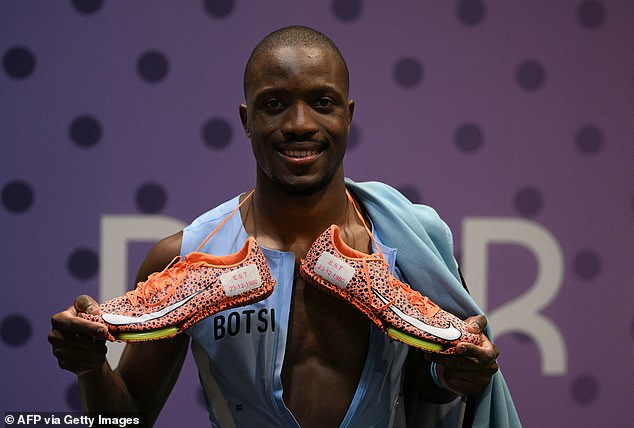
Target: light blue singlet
x,y
239,352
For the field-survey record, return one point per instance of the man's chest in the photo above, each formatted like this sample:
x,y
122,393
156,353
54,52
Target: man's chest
x,y
325,327
326,350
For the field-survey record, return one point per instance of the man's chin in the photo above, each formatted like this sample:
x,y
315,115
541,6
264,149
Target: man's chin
x,y
302,187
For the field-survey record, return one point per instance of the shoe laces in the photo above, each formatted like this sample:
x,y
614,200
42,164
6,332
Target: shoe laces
x,y
171,276
167,279
422,303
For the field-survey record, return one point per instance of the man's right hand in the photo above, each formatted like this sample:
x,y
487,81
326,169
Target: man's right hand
x,y
78,344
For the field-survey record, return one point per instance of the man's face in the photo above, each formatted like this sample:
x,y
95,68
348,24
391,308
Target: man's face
x,y
297,116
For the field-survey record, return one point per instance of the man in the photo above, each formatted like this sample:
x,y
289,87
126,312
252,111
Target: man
x,y
312,359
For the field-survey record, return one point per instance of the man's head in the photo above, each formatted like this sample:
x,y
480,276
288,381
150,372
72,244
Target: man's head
x,y
288,37
297,112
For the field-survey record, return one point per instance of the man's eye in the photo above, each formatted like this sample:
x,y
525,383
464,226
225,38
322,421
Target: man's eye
x,y
273,104
324,103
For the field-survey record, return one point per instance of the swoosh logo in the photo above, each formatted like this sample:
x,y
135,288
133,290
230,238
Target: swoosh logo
x,y
446,333
115,319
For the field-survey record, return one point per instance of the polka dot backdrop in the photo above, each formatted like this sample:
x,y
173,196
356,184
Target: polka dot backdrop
x,y
481,109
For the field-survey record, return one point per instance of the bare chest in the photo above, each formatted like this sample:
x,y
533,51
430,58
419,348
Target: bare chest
x,y
325,327
326,349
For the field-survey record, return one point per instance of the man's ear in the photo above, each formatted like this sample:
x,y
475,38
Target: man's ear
x,y
244,119
350,113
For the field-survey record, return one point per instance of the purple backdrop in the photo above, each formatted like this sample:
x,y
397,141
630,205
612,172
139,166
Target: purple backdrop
x,y
512,118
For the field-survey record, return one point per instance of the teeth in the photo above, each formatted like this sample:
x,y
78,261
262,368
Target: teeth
x,y
299,153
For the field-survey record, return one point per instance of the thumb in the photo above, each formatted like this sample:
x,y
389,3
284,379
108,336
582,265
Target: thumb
x,y
86,304
476,324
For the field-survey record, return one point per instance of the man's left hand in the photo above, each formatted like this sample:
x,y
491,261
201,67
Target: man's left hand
x,y
469,370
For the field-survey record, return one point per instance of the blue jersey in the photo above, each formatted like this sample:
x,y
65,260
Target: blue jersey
x,y
240,352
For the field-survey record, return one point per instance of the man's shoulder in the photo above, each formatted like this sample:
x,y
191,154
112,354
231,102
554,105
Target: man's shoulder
x,y
384,198
218,222
395,215
214,215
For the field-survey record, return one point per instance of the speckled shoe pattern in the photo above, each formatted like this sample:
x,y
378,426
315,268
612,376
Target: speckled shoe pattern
x,y
365,282
186,292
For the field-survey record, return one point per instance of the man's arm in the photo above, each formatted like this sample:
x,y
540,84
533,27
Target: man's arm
x,y
146,372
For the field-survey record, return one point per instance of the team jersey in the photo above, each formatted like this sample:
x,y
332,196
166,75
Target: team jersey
x,y
240,352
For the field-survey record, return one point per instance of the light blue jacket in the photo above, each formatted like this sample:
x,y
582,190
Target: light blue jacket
x,y
425,258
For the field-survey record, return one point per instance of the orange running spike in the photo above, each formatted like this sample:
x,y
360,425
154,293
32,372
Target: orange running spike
x,y
186,292
364,280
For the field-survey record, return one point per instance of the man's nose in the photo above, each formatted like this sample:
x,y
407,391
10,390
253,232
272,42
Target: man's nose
x,y
299,122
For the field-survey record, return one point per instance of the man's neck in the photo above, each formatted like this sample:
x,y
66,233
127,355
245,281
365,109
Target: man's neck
x,y
282,220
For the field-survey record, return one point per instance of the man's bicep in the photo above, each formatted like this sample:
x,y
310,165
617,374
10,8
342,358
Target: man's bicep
x,y
161,254
150,369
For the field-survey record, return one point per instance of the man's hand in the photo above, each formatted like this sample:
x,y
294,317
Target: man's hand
x,y
470,369
78,344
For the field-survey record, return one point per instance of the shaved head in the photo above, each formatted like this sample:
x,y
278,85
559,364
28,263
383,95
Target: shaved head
x,y
294,36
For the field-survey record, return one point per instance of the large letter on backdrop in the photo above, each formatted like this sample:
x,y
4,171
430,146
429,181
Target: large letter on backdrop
x,y
523,313
117,231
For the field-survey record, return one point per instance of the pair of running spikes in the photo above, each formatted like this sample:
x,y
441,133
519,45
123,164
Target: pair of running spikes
x,y
200,285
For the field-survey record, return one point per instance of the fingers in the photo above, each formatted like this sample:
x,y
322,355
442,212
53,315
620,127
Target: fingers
x,y
463,382
464,375
86,304
77,346
69,325
81,359
484,355
78,343
78,353
470,369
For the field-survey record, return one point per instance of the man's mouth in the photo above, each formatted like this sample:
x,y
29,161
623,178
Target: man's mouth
x,y
294,153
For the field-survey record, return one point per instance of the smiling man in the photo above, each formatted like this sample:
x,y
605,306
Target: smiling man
x,y
297,112
300,357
